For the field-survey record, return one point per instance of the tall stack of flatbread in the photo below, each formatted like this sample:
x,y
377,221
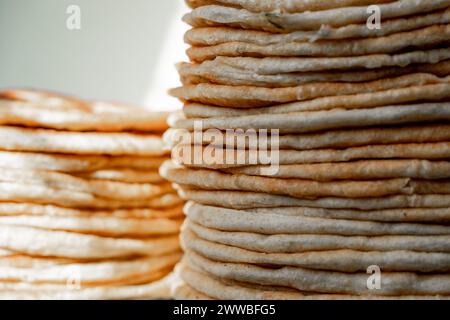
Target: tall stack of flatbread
x,y
359,207
84,213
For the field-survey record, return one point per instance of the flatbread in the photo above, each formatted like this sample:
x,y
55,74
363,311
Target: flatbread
x,y
67,183
292,243
250,200
427,215
273,224
233,290
359,170
248,97
98,273
103,226
44,243
217,158
100,118
395,284
214,15
75,163
123,175
210,36
274,66
304,122
336,260
431,92
218,73
28,193
213,180
426,37
328,139
296,6
155,290
51,141
38,210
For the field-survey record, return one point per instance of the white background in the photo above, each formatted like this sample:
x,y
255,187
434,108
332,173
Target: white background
x,y
124,52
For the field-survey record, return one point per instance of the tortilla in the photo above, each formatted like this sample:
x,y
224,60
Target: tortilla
x,y
359,170
75,163
248,97
271,5
295,243
213,180
304,122
233,290
50,141
155,290
398,283
214,15
103,226
98,119
426,37
210,36
250,200
67,183
273,224
44,243
274,66
97,273
217,73
9,209
432,92
123,175
328,139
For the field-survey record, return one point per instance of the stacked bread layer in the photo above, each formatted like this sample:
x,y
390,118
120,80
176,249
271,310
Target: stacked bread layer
x,y
357,189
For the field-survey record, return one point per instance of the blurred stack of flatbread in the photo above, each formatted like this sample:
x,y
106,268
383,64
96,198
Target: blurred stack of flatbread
x,y
363,183
84,213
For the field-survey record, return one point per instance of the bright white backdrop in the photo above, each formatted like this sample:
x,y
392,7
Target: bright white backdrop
x,y
125,50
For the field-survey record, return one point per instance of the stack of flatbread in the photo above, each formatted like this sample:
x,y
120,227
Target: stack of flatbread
x,y
359,204
84,213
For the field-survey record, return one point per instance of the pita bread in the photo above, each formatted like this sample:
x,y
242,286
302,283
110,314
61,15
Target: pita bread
x,y
25,192
250,200
428,215
103,226
181,291
337,260
356,101
155,290
99,118
36,242
234,290
217,73
123,175
432,151
329,139
293,243
359,170
304,122
91,274
273,224
213,180
38,210
65,183
75,163
50,141
426,37
296,6
395,284
211,36
283,22
24,261
274,66
248,97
